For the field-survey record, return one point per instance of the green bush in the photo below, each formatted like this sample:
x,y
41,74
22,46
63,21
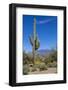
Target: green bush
x,y
54,64
34,69
42,66
49,64
36,65
25,69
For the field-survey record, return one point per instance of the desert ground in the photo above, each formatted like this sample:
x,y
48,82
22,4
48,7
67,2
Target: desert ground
x,y
48,71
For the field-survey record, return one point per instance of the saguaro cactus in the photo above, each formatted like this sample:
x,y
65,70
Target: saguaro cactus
x,y
34,40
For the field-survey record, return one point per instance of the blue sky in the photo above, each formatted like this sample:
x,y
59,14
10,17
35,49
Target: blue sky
x,y
46,28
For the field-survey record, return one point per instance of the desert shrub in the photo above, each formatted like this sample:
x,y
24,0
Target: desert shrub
x,y
54,64
34,69
27,58
25,69
53,56
42,66
46,61
36,65
50,58
49,64
37,60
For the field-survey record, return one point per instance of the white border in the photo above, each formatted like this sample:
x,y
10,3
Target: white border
x,y
20,78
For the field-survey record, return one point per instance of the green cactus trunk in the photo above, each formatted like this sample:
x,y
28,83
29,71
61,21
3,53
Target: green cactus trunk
x,y
34,41
34,36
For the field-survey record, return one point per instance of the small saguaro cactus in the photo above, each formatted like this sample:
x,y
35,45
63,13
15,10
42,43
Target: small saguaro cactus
x,y
34,40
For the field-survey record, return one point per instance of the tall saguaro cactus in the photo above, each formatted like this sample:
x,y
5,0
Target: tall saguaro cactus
x,y
34,41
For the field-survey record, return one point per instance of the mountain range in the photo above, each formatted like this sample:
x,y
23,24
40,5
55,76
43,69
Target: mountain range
x,y
44,52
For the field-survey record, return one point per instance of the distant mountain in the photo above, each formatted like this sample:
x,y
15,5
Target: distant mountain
x,y
44,52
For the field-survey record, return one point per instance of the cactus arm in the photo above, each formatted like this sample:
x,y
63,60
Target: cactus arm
x,y
31,40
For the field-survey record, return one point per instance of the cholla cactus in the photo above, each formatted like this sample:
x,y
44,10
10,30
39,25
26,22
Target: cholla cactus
x,y
34,40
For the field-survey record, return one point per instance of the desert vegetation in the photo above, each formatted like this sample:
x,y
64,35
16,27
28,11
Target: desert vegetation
x,y
41,62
